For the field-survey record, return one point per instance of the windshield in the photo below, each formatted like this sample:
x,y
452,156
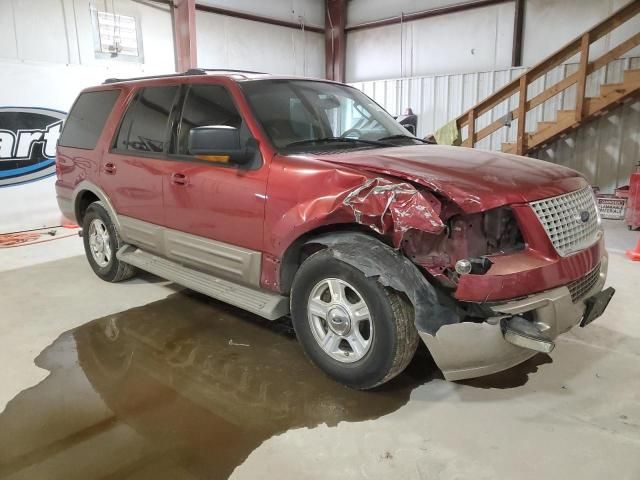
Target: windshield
x,y
307,114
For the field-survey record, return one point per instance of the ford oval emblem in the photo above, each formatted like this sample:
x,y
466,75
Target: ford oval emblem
x,y
583,216
28,138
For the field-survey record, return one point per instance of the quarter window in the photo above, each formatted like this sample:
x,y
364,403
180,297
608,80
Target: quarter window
x,y
144,127
86,120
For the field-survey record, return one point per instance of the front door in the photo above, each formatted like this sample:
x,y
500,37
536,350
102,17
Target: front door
x,y
219,206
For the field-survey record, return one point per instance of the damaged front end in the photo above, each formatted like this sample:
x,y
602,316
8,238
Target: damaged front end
x,y
429,238
433,232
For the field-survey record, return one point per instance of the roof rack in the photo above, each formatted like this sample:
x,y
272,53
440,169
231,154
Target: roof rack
x,y
191,71
151,77
201,71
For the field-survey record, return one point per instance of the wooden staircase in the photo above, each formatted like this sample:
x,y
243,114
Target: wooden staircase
x,y
586,108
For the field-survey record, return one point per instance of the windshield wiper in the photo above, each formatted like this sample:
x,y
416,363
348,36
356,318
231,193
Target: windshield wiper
x,y
400,136
337,139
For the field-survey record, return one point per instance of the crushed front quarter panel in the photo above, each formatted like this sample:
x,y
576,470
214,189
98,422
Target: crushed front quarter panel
x,y
306,195
393,208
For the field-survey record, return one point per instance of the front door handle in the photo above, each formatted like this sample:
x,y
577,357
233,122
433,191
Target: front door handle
x,y
179,179
109,168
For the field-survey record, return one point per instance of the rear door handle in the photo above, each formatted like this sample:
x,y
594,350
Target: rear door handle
x,y
179,179
109,168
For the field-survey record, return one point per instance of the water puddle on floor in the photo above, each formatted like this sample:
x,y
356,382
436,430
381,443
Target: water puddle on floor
x,y
181,388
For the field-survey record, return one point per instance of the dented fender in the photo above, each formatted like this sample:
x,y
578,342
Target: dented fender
x,y
328,197
387,207
393,208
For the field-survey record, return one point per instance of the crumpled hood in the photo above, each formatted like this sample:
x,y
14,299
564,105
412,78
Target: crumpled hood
x,y
475,180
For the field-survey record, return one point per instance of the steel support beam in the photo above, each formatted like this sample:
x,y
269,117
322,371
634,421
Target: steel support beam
x,y
518,33
183,13
432,12
335,39
257,18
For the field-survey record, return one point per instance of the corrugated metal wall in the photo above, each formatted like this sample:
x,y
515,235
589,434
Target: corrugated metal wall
x,y
606,150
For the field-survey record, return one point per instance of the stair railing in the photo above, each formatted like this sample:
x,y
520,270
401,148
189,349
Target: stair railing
x,y
521,84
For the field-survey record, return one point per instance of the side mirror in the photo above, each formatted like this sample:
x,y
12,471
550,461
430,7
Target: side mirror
x,y
219,141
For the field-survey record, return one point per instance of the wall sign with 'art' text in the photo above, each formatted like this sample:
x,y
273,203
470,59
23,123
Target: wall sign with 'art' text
x,y
28,138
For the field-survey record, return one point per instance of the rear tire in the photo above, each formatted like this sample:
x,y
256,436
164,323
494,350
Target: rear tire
x,y
330,326
101,243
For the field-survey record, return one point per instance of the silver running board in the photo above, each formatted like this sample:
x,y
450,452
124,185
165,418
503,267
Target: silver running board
x,y
261,302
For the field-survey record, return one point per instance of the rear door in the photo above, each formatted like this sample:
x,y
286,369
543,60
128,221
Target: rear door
x,y
132,172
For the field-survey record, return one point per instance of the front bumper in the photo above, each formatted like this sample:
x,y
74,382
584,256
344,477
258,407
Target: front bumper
x,y
469,349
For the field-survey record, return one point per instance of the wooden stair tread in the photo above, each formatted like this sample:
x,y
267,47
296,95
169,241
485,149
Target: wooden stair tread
x,y
632,73
562,114
543,136
610,94
607,88
543,125
508,148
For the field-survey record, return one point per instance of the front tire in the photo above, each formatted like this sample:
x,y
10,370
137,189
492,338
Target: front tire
x,y
101,243
352,327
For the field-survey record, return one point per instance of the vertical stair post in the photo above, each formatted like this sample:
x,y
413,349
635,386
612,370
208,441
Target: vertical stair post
x,y
582,76
521,142
472,128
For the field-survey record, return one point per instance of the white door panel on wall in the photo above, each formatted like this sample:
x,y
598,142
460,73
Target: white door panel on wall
x,y
550,24
7,33
373,54
41,36
226,42
289,10
360,11
61,31
475,40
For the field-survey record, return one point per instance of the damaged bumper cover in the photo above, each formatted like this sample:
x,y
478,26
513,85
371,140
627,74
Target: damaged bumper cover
x,y
469,349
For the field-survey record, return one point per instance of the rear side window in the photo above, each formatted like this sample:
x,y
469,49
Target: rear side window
x,y
206,105
86,120
144,126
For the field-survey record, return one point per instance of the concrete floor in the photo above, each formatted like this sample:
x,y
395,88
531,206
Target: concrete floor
x,y
184,387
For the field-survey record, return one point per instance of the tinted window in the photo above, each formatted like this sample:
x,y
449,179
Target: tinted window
x,y
144,126
295,111
87,118
206,105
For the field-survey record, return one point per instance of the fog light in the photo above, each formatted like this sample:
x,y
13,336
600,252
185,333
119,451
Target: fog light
x,y
463,266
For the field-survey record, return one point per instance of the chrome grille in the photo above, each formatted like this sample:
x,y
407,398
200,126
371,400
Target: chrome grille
x,y
579,288
561,218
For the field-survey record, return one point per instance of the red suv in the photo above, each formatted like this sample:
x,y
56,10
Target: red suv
x,y
288,196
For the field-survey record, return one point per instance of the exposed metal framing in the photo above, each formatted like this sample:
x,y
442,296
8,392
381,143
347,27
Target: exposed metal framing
x,y
335,40
183,15
518,33
335,29
432,12
258,18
